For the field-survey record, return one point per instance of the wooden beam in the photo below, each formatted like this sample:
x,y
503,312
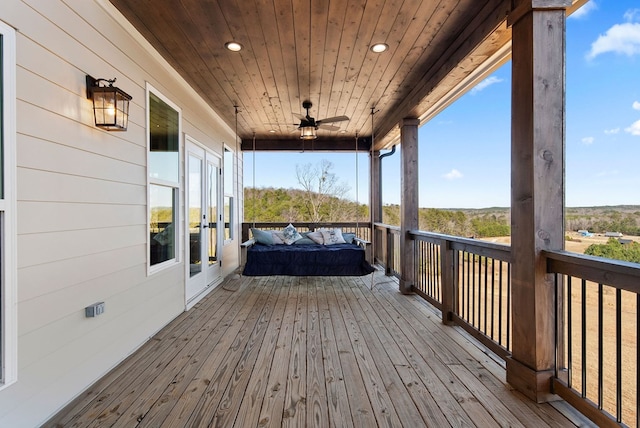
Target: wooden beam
x,y
296,144
409,200
537,192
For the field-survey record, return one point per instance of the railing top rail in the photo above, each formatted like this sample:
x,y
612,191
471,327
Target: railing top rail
x,y
386,226
615,273
470,245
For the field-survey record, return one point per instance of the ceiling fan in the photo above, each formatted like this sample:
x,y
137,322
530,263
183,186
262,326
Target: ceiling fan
x,y
308,125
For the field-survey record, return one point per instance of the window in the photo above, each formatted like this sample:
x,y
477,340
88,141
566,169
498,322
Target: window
x,y
228,195
164,178
8,287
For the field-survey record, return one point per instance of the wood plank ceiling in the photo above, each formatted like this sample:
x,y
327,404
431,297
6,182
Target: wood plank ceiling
x,y
294,50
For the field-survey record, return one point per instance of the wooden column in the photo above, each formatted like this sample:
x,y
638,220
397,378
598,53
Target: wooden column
x,y
408,200
537,187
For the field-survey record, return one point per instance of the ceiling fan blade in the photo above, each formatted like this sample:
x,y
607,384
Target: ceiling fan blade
x,y
329,127
300,116
333,119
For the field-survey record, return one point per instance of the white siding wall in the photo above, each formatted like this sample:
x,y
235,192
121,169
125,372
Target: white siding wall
x,y
82,214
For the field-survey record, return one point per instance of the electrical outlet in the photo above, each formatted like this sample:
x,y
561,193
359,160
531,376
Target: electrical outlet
x,y
94,310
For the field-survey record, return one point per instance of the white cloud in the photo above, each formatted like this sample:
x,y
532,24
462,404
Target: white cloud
x,y
453,175
634,129
485,84
620,39
612,131
632,15
584,10
636,105
588,140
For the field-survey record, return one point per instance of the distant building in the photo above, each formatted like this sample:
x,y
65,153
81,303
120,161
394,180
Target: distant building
x,y
613,234
625,241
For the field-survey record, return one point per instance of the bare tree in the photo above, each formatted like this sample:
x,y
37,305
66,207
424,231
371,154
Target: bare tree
x,y
322,191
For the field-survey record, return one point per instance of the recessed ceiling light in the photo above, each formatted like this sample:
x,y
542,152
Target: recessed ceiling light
x,y
379,47
273,131
233,46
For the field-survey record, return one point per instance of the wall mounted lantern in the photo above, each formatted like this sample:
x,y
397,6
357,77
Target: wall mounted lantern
x,y
110,104
308,133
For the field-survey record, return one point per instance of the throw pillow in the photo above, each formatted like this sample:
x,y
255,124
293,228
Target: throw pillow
x,y
332,236
262,236
316,237
278,237
290,234
348,237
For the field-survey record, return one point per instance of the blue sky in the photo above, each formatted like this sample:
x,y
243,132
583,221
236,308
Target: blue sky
x,y
464,152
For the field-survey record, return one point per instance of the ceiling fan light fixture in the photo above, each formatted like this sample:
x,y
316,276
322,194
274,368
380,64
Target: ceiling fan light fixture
x,y
308,133
379,47
233,46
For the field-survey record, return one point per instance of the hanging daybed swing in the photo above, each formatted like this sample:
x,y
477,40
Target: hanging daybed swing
x,y
322,252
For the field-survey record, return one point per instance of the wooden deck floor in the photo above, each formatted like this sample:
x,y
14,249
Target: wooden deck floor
x,y
308,352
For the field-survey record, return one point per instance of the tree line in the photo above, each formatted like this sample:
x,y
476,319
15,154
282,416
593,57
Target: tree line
x,y
296,205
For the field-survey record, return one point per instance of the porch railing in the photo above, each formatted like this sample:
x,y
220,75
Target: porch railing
x,y
470,282
598,327
386,248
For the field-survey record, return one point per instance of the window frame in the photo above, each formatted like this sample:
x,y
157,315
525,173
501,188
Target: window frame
x,y
8,226
230,193
176,185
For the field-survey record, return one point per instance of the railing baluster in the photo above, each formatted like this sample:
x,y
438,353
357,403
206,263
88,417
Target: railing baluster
x,y
485,293
584,339
600,345
509,306
619,355
569,332
493,296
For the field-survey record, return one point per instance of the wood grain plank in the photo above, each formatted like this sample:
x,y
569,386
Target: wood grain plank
x,y
337,397
231,400
158,398
316,397
361,408
485,366
249,412
295,408
386,354
188,393
239,351
273,403
446,345
383,408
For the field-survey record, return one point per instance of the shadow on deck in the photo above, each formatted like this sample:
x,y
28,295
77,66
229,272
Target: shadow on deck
x,y
309,351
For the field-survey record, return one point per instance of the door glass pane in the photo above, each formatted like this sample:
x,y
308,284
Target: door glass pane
x,y
212,187
195,215
162,202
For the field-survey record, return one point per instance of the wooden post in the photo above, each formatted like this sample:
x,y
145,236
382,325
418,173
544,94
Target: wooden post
x,y
408,200
537,187
448,281
375,200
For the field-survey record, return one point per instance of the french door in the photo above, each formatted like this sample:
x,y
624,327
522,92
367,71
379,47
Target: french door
x,y
204,223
